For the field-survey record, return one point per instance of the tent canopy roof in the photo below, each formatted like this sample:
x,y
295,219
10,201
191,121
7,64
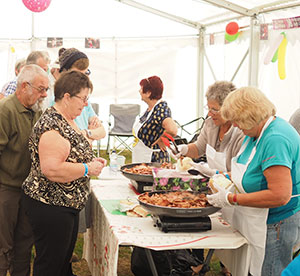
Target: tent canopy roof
x,y
118,18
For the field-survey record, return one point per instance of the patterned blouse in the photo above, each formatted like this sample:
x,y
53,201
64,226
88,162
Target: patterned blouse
x,y
152,129
37,186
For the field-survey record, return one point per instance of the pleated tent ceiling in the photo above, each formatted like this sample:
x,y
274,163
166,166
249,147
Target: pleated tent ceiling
x,y
182,41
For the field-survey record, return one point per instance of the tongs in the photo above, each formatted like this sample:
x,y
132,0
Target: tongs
x,y
167,139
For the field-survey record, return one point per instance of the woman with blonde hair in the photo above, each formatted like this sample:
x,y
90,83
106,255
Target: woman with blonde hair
x,y
266,172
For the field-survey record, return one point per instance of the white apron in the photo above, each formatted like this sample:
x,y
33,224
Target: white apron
x,y
250,221
217,160
141,153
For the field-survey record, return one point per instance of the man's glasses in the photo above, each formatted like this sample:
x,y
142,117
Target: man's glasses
x,y
211,110
88,72
84,99
40,89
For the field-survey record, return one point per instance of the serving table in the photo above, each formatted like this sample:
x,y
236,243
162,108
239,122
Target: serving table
x,y
110,229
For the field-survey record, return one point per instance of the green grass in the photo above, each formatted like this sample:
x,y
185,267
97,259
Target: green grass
x,y
125,153
78,250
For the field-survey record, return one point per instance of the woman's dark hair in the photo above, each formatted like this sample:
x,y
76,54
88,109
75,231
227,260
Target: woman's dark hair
x,y
60,51
71,82
154,85
72,58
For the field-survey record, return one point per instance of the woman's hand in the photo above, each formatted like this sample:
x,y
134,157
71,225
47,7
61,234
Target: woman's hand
x,y
95,167
101,160
160,143
204,169
220,197
94,122
96,129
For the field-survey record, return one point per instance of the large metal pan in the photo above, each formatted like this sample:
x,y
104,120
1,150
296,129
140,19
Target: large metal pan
x,y
177,212
139,177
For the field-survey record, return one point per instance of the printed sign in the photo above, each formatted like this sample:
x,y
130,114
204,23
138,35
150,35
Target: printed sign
x,y
264,32
286,23
53,42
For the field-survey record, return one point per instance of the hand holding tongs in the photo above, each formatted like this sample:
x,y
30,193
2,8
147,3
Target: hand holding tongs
x,y
166,138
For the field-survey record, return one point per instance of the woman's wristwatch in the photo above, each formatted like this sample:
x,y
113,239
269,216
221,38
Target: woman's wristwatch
x,y
88,133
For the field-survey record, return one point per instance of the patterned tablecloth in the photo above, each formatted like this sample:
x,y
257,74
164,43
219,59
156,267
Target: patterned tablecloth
x,y
109,230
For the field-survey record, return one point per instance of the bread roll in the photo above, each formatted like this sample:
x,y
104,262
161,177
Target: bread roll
x,y
184,164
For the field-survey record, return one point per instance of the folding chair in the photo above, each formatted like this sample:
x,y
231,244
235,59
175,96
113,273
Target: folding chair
x,y
95,106
183,128
123,116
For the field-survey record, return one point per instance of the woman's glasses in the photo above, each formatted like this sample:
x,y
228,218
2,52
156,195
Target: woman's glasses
x,y
84,99
212,110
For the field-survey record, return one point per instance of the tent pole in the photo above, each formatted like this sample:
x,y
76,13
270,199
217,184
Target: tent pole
x,y
200,76
229,6
32,32
253,52
173,17
116,71
33,44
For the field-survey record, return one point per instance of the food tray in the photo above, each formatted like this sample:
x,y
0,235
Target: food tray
x,y
177,212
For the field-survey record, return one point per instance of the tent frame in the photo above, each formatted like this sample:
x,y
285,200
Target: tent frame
x,y
252,52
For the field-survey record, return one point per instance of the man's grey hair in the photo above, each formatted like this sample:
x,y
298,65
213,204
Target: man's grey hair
x,y
35,55
46,56
20,63
29,73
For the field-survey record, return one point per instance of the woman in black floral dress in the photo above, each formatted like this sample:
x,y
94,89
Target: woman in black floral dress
x,y
149,148
154,122
56,188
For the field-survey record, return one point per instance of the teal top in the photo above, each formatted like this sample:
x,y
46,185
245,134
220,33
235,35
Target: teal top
x,y
82,120
293,268
278,146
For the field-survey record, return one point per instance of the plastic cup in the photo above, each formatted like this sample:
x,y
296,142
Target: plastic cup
x,y
121,161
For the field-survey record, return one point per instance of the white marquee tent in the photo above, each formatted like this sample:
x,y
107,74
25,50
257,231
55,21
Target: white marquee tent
x,y
182,41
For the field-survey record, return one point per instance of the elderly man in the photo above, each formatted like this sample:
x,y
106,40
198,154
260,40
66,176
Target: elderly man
x,y
18,114
40,58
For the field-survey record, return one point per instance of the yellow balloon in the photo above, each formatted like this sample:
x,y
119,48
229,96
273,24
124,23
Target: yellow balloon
x,y
12,49
281,59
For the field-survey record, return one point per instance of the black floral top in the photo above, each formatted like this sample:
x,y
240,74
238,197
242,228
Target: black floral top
x,y
37,186
152,129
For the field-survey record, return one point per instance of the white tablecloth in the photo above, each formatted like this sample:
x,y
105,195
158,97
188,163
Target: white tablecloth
x,y
108,231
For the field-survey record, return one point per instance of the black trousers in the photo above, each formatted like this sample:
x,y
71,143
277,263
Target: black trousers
x,y
55,231
16,237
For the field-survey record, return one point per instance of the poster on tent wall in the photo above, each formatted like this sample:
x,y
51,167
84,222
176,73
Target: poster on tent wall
x,y
286,23
53,42
92,43
264,32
